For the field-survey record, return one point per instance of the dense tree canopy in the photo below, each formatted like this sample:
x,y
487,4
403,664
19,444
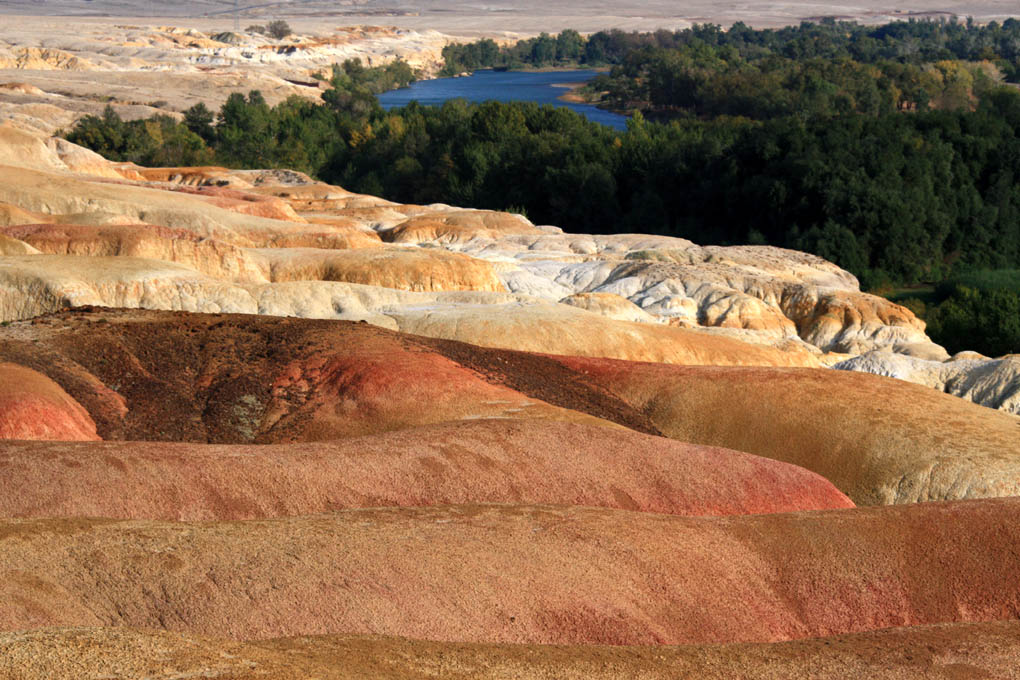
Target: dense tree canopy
x,y
830,160
973,310
903,42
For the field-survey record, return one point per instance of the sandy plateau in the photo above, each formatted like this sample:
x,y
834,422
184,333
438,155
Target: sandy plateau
x,y
258,426
54,71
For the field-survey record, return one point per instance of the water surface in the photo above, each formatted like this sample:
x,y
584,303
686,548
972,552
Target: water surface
x,y
504,86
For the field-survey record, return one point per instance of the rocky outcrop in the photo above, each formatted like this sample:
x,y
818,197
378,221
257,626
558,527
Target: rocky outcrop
x,y
209,257
404,269
42,59
609,305
31,285
994,383
457,227
851,322
73,68
539,326
250,236
771,292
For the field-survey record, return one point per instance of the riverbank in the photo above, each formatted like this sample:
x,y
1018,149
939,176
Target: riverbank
x,y
573,93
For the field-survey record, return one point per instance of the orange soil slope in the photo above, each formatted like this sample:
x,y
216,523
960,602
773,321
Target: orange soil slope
x,y
494,461
34,407
528,574
965,651
878,440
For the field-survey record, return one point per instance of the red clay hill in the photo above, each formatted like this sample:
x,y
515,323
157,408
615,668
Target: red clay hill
x,y
166,376
491,461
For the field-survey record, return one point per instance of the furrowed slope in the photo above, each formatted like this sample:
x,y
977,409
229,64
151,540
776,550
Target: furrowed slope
x,y
527,574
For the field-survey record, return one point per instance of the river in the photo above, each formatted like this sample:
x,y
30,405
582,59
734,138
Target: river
x,y
504,86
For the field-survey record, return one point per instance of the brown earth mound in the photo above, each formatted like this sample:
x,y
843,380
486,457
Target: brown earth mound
x,y
34,407
237,379
962,651
492,461
526,574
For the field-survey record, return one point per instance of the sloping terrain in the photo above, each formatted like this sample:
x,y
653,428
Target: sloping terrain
x,y
166,376
346,437
991,382
879,440
522,574
491,461
235,379
34,407
56,71
272,242
944,652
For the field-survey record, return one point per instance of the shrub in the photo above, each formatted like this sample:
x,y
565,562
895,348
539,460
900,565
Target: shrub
x,y
278,29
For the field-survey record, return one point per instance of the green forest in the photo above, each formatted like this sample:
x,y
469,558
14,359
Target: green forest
x,y
892,151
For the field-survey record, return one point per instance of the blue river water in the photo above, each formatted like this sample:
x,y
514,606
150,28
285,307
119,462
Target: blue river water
x,y
504,86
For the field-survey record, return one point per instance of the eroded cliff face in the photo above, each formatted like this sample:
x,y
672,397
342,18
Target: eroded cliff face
x,y
84,231
76,229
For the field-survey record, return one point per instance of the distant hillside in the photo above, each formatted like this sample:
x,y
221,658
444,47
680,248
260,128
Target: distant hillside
x,y
188,8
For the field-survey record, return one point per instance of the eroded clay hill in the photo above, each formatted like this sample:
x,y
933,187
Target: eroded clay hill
x,y
491,461
275,242
326,414
166,376
521,574
51,71
78,230
879,440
